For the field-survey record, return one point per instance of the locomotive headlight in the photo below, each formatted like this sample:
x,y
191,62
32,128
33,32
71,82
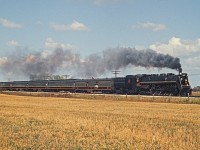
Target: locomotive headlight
x,y
186,81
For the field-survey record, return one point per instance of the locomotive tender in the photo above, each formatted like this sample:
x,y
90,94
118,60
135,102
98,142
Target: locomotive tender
x,y
143,84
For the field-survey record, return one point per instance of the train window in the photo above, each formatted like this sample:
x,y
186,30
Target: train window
x,y
86,84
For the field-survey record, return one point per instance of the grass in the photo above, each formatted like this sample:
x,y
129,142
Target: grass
x,y
132,98
69,123
196,94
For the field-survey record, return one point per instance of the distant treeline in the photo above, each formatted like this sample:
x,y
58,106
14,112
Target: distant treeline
x,y
197,88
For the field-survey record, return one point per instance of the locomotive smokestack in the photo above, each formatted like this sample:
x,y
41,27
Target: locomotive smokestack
x,y
180,71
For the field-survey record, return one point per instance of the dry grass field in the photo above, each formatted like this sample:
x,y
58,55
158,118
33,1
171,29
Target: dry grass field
x,y
63,123
196,94
195,99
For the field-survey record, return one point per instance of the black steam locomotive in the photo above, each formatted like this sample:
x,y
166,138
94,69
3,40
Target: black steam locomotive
x,y
143,84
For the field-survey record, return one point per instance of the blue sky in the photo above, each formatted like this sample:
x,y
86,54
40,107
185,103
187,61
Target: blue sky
x,y
91,26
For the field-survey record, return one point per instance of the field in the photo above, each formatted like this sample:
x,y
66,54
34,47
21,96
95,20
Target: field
x,y
28,122
196,94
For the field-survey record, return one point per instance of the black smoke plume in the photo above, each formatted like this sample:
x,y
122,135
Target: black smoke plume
x,y
117,58
91,66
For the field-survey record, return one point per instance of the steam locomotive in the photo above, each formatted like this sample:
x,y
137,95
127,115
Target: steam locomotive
x,y
143,84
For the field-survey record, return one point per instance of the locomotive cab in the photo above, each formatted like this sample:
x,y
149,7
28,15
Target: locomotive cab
x,y
130,84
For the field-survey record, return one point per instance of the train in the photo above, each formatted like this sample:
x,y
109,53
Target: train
x,y
140,84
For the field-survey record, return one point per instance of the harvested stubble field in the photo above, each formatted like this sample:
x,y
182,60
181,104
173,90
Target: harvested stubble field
x,y
67,123
196,94
195,99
